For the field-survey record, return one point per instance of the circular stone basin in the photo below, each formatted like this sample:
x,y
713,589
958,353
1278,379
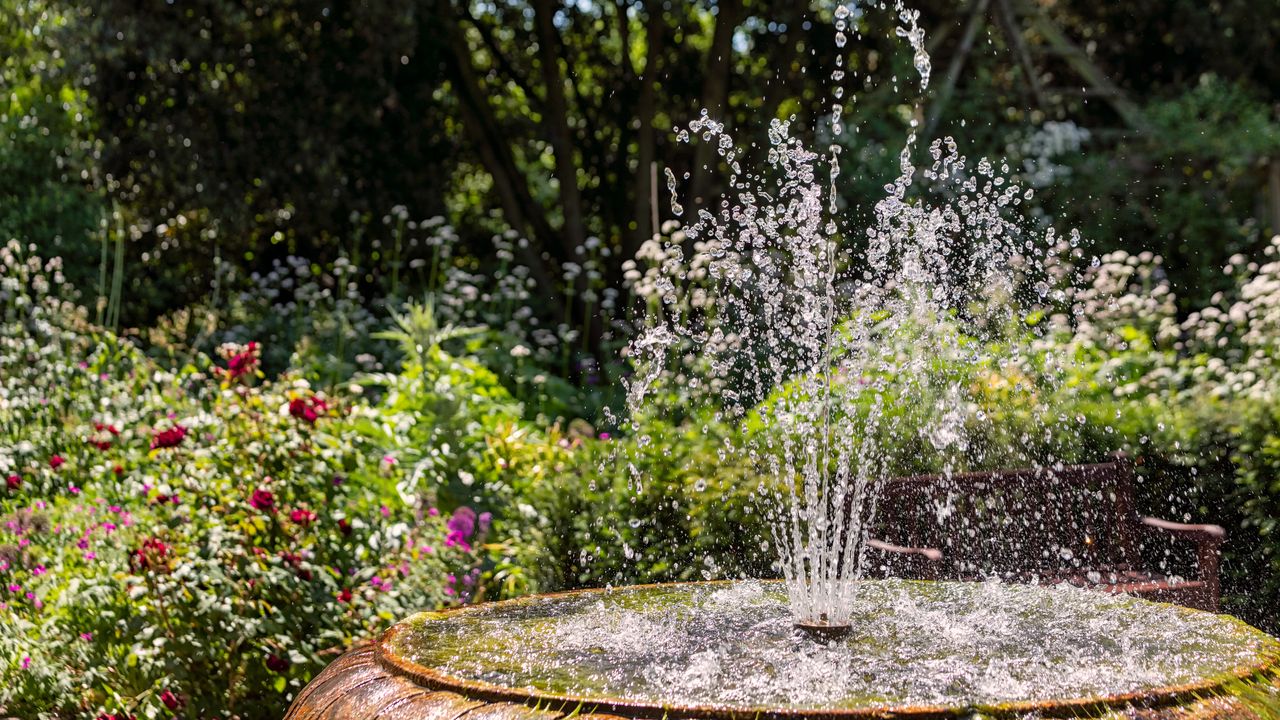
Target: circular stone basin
x,y
729,650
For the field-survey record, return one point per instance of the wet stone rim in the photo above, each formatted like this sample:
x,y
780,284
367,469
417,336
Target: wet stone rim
x,y
431,678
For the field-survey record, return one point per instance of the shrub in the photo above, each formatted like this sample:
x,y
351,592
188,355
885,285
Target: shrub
x,y
190,542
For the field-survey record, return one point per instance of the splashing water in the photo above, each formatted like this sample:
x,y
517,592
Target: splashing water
x,y
731,645
836,359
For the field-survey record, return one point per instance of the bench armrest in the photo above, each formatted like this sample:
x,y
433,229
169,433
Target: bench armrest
x,y
1199,534
1208,540
930,554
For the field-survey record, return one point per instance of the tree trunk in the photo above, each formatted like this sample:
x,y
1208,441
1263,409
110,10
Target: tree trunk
x,y
556,118
518,206
646,139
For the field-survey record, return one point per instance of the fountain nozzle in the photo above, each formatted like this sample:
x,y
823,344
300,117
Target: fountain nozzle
x,y
822,631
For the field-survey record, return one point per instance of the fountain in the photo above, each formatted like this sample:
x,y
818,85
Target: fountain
x,y
728,650
832,359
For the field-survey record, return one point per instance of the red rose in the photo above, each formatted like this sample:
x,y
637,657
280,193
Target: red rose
x,y
56,462
344,596
243,362
302,517
171,701
263,500
275,663
13,482
303,410
172,437
154,553
344,526
103,435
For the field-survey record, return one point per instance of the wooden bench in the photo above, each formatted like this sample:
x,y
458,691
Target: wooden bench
x,y
1077,524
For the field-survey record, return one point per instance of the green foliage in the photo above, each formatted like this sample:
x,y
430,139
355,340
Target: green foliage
x,y
189,538
660,506
45,142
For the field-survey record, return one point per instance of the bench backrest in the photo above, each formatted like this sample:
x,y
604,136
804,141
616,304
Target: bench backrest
x,y
1008,523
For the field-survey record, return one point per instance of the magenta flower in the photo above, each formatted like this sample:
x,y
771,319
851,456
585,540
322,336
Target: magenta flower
x,y
263,500
300,409
172,437
153,554
170,700
241,361
461,526
302,517
56,462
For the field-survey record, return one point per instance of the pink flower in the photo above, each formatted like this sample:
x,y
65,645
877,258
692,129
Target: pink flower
x,y
172,437
87,637
303,410
154,553
13,482
171,701
56,462
26,661
302,517
462,526
263,500
240,361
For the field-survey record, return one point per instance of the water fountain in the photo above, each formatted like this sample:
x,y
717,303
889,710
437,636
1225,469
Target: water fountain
x,y
790,336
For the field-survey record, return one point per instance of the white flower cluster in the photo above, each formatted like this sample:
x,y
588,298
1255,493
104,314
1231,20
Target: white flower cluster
x,y
1127,313
1036,152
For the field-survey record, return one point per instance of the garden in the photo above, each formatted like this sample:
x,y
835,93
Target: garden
x,y
314,317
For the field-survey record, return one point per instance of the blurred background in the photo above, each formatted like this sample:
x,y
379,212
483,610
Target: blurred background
x,y
179,154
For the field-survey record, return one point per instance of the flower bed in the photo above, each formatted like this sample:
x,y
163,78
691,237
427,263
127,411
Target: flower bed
x,y
190,542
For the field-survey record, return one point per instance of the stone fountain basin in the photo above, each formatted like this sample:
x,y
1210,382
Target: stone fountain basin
x,y
727,651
